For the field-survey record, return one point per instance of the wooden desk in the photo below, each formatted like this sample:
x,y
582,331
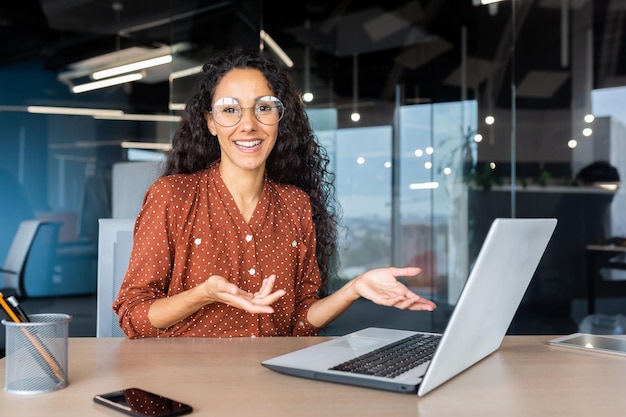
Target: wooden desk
x,y
599,257
223,377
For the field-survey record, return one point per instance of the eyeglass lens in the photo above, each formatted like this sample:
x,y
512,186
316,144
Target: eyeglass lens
x,y
228,112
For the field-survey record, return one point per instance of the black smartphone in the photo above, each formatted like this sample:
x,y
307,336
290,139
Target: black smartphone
x,y
139,402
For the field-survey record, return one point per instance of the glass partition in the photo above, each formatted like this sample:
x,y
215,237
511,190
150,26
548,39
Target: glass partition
x,y
465,113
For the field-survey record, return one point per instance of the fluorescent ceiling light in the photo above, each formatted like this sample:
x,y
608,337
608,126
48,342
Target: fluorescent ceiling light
x,y
142,117
147,145
186,72
489,1
81,88
277,49
176,106
101,114
75,111
424,186
135,66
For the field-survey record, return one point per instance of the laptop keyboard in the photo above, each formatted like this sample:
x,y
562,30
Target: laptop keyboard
x,y
393,359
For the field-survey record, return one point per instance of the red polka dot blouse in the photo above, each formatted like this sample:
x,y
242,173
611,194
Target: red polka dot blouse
x,y
190,228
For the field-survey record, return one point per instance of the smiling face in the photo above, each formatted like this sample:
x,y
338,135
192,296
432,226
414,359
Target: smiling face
x,y
246,145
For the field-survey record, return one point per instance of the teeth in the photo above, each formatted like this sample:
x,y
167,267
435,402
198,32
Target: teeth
x,y
248,144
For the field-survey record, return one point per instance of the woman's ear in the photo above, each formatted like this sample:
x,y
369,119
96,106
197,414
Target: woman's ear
x,y
210,123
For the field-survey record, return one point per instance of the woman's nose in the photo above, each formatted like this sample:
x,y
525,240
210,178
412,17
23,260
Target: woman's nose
x,y
248,118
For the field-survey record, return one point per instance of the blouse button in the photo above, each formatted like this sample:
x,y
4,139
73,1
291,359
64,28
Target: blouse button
x,y
301,323
294,244
251,271
248,238
197,241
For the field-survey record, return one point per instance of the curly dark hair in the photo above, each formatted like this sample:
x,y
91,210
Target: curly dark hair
x,y
297,157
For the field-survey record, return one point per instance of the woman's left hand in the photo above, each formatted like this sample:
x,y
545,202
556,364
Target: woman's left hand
x,y
381,286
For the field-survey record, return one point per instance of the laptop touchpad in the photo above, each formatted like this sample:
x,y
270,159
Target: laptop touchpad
x,y
358,342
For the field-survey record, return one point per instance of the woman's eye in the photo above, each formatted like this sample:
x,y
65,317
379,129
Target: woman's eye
x,y
231,110
263,108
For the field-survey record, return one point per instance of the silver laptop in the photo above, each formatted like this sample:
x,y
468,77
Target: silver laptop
x,y
484,311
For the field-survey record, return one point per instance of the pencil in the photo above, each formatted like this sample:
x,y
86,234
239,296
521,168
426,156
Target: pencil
x,y
52,364
49,364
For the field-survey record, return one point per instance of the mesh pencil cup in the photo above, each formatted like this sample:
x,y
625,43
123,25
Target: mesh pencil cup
x,y
36,354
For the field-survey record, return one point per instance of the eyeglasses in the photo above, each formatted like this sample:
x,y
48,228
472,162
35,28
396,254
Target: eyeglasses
x,y
227,111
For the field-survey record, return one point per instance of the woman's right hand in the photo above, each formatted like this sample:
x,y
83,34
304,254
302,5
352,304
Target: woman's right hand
x,y
165,312
219,289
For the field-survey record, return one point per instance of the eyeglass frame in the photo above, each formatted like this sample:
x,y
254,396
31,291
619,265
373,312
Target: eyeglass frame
x,y
273,99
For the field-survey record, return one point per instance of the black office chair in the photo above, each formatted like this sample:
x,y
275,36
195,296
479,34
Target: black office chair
x,y
33,238
14,268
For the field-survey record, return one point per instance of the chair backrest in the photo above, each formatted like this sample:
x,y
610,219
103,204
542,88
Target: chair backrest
x,y
115,241
14,267
127,196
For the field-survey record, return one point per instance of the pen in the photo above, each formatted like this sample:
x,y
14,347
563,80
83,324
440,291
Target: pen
x,y
8,310
21,314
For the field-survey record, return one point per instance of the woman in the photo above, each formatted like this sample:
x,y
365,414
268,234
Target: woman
x,y
237,236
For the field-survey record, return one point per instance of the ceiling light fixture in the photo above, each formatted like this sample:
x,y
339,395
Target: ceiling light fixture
x,y
176,106
100,114
147,145
133,66
424,186
73,111
141,117
186,72
483,2
265,37
81,88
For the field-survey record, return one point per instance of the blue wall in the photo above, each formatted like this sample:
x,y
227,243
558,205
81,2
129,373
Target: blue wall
x,y
31,146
